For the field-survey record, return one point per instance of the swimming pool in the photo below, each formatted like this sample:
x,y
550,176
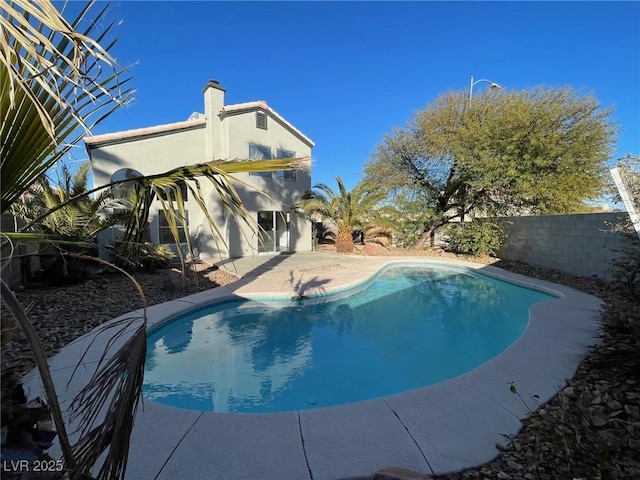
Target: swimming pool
x,y
408,327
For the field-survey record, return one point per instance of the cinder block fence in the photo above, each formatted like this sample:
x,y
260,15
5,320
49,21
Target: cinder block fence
x,y
579,244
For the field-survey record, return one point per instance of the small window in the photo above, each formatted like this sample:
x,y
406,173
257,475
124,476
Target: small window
x,y
164,231
288,175
165,192
261,120
259,152
128,187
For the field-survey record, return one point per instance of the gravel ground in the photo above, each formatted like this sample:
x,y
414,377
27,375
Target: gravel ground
x,y
62,314
590,430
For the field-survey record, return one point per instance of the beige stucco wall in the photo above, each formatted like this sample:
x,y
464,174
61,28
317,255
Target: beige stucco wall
x,y
149,155
281,195
233,132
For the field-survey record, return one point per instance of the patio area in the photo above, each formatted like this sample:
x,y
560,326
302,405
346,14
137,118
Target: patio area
x,y
442,428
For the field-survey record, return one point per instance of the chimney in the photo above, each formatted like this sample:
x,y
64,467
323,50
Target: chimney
x,y
213,104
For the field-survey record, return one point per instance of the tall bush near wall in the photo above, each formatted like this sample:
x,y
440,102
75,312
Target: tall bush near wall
x,y
578,244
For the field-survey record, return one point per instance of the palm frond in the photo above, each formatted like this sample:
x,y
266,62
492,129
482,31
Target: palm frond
x,y
35,237
351,211
48,62
55,84
117,385
40,358
220,174
68,210
115,388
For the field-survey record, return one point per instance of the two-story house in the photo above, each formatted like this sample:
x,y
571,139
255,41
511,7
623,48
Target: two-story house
x,y
250,130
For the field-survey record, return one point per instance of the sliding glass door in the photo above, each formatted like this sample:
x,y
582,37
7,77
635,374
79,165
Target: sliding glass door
x,y
274,231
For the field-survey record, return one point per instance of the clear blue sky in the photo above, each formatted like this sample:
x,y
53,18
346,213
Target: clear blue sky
x,y
345,73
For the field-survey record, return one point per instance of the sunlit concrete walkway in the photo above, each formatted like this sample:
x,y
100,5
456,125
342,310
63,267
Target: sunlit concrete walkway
x,y
445,427
286,262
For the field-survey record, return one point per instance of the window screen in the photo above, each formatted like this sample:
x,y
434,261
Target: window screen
x,y
259,152
289,175
164,231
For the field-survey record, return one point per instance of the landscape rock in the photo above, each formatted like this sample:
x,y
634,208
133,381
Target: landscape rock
x,y
176,280
62,314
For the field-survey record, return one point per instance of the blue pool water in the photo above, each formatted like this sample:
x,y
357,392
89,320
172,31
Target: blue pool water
x,y
409,327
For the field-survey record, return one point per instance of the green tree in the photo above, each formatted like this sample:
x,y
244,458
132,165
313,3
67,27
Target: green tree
x,y
353,212
536,151
56,82
413,211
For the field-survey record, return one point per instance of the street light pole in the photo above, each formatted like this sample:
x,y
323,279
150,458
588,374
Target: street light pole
x,y
494,86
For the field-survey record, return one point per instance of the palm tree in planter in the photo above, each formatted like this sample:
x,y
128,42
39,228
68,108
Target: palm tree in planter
x,y
56,82
352,212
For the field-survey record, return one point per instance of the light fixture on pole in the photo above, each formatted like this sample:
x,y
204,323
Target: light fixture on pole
x,y
494,86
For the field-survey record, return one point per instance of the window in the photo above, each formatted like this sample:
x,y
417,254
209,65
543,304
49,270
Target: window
x,y
164,231
261,120
164,195
125,189
289,175
259,152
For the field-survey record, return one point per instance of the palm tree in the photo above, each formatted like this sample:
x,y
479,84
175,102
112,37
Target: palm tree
x,y
353,212
80,216
57,81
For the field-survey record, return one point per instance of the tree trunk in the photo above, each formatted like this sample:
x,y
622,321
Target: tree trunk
x,y
427,234
344,242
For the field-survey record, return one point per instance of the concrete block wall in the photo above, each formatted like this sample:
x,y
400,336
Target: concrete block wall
x,y
578,244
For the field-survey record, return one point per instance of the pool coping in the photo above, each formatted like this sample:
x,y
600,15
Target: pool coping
x,y
442,428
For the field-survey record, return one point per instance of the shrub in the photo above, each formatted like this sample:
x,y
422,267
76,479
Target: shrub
x,y
145,256
474,238
627,264
627,267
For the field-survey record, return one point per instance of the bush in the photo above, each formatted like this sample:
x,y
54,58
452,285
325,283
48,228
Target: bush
x,y
474,238
627,265
145,256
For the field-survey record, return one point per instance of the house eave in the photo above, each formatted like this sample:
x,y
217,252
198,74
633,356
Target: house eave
x,y
136,134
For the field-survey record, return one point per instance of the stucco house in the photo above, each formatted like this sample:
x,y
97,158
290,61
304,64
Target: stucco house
x,y
250,130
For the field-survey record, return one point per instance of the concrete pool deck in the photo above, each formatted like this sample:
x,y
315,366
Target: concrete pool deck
x,y
438,429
